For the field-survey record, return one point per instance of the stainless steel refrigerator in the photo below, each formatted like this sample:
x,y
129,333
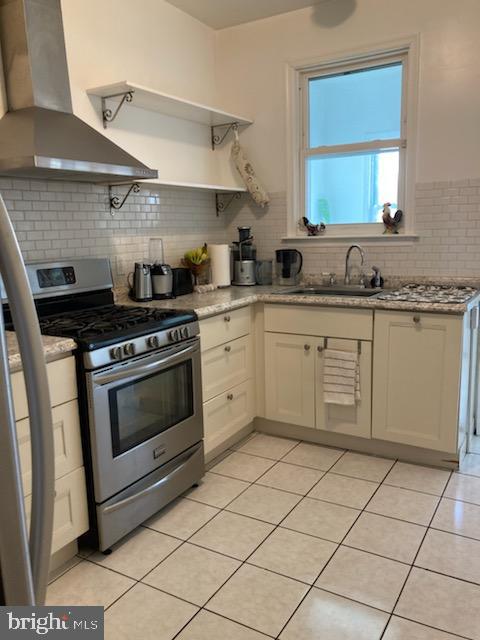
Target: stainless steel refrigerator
x,y
24,556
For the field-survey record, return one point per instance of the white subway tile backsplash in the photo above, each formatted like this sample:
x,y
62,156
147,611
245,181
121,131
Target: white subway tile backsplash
x,y
447,220
69,219
65,219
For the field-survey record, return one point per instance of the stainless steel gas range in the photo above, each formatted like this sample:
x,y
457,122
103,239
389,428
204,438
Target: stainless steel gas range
x,y
139,377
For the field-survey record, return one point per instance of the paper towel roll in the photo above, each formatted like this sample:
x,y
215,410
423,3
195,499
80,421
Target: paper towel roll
x,y
220,264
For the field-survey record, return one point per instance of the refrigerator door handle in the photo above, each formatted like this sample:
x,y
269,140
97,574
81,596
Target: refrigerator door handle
x,y
16,584
30,344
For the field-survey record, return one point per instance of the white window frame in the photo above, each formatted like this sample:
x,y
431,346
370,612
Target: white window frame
x,y
298,74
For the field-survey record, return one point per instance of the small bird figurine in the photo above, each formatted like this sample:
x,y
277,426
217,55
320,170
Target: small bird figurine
x,y
313,229
391,222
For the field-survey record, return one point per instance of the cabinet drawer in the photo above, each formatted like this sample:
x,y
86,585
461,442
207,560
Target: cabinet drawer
x,y
70,517
68,446
62,382
225,366
319,321
224,327
227,413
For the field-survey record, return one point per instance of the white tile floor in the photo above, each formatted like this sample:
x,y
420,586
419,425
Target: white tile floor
x,y
300,542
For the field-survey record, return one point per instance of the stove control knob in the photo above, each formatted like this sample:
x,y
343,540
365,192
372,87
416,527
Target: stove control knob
x,y
129,349
116,353
173,335
153,342
184,332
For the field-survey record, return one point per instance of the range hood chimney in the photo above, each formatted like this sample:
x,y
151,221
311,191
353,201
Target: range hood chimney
x,y
39,135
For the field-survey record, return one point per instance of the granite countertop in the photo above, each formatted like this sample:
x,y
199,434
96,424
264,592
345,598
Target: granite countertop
x,y
53,349
222,300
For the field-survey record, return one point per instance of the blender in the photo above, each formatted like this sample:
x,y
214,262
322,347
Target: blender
x,y
161,273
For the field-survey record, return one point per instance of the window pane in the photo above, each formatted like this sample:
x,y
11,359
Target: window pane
x,y
356,106
351,189
146,407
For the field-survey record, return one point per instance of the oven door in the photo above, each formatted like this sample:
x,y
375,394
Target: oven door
x,y
143,413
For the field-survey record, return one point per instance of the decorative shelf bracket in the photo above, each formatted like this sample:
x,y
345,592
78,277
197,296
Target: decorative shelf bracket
x,y
222,204
107,114
115,202
218,139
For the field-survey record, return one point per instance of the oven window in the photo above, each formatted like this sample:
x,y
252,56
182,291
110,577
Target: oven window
x,y
144,408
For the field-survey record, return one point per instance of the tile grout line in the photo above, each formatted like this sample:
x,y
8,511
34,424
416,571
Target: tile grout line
x,y
336,550
301,496
245,561
455,635
242,562
415,557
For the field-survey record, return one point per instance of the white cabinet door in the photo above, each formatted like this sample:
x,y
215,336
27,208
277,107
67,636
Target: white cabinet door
x,y
70,517
416,378
353,420
66,439
226,414
290,378
62,382
225,366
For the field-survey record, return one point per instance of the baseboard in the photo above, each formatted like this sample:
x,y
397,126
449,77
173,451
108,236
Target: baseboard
x,y
229,442
62,557
362,445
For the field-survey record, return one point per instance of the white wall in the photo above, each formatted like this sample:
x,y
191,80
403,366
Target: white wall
x,y
152,43
251,74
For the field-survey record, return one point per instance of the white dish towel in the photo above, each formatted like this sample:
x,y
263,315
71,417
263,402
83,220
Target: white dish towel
x,y
341,377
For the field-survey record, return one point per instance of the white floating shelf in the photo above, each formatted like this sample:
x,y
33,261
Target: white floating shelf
x,y
169,105
193,185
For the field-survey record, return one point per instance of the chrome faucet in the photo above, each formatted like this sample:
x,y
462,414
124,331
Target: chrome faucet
x,y
347,261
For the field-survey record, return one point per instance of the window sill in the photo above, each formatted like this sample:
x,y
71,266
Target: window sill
x,y
396,239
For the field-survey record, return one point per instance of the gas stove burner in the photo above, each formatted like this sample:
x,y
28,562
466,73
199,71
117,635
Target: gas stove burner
x,y
100,326
436,293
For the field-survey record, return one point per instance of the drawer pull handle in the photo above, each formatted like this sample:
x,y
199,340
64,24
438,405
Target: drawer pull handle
x,y
306,347
230,396
227,318
416,319
228,348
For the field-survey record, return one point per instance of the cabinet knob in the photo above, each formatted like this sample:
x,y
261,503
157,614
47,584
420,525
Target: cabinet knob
x,y
306,347
227,318
230,396
228,348
319,349
416,319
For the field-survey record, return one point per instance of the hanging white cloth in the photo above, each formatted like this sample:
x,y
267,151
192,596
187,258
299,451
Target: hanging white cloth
x,y
245,169
341,377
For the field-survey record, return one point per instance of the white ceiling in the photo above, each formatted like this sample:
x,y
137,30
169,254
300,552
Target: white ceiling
x,y
227,13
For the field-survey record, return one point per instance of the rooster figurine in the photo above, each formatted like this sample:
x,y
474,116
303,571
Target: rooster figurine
x,y
313,229
391,222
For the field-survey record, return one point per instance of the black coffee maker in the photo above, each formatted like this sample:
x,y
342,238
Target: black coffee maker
x,y
288,265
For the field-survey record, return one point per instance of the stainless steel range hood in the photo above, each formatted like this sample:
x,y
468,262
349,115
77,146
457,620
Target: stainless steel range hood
x,y
39,135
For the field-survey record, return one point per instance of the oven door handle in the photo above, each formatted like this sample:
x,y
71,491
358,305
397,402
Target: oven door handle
x,y
150,488
137,370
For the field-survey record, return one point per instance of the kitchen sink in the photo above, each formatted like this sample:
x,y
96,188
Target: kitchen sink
x,y
336,290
